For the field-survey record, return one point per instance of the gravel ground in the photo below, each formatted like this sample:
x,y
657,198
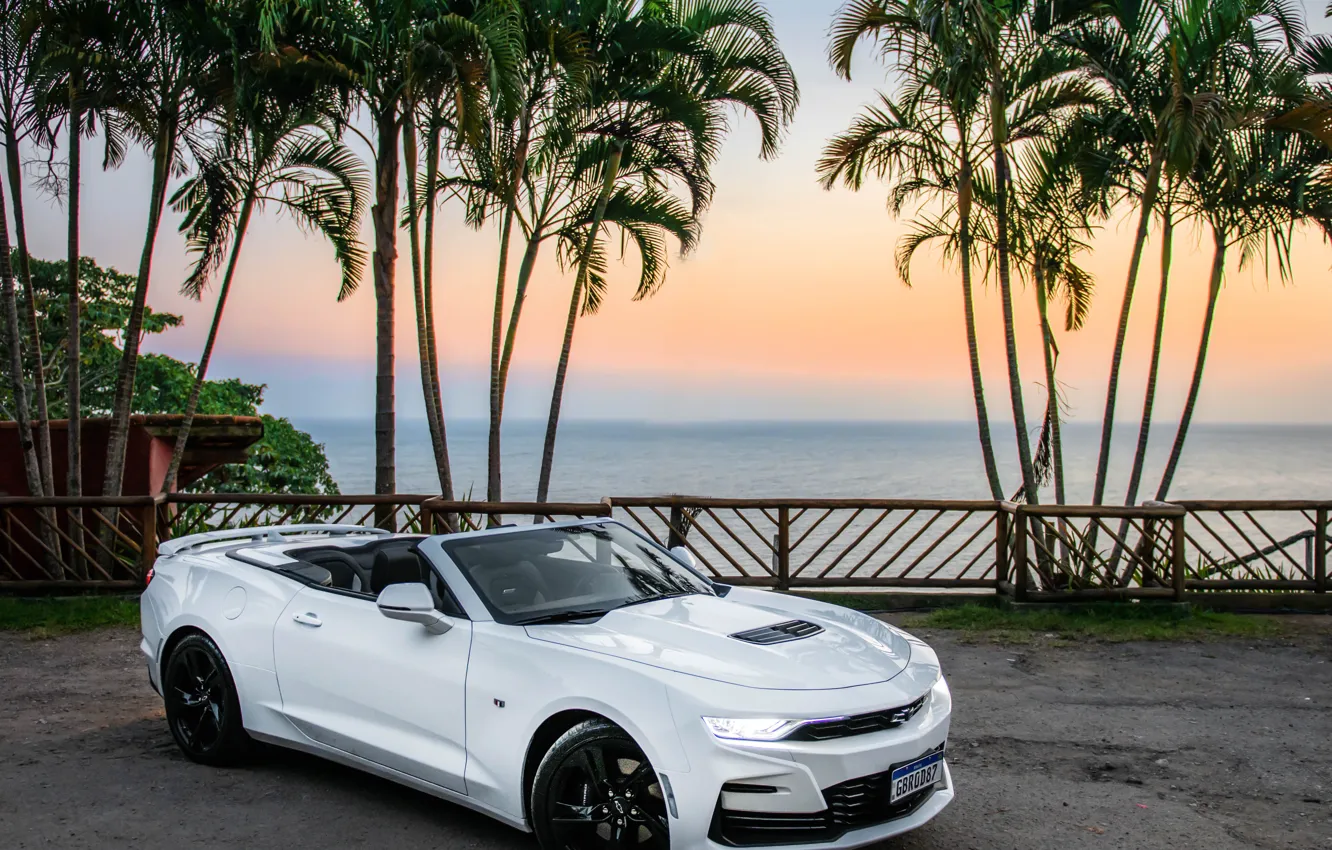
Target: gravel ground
x,y
1217,745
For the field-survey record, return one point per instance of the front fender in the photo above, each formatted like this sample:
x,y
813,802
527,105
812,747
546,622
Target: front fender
x,y
515,684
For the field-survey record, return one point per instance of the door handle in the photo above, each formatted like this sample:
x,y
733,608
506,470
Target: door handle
x,y
309,618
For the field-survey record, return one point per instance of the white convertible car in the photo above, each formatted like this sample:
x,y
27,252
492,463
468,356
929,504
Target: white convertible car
x,y
575,680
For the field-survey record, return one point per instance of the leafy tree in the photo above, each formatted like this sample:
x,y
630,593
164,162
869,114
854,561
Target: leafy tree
x,y
286,460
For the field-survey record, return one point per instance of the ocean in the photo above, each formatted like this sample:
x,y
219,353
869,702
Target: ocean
x,y
826,459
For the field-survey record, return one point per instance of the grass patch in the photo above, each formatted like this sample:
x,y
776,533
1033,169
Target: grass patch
x,y
887,601
1109,622
50,617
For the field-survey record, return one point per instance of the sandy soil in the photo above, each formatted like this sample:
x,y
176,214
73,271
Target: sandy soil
x,y
1216,745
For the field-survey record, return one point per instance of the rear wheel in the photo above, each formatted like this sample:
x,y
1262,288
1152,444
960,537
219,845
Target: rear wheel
x,y
202,708
596,790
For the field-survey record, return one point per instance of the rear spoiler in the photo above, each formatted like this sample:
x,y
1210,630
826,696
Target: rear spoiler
x,y
262,534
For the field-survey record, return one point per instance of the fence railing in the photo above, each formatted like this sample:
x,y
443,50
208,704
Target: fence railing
x,y
1031,552
788,543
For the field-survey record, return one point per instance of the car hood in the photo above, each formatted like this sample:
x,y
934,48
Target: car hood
x,y
693,635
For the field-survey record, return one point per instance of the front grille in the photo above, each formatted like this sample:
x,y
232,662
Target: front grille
x,y
854,804
779,633
861,724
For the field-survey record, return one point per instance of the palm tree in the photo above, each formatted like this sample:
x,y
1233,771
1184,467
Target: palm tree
x,y
1058,208
390,51
1252,192
1124,50
166,59
929,140
554,72
19,20
1246,178
674,100
71,86
444,98
13,338
279,153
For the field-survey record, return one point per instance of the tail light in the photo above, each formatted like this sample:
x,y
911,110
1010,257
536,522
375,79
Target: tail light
x,y
148,578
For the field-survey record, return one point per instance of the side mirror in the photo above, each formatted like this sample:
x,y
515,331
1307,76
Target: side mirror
x,y
684,556
413,603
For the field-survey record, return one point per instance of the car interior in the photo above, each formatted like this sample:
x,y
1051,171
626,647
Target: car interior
x,y
529,573
370,567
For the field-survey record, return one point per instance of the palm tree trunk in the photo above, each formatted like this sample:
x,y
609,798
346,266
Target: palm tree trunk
x,y
494,487
73,346
384,216
519,295
964,199
1010,340
1186,418
43,430
1112,389
14,339
1153,371
1051,353
201,374
575,302
418,291
123,403
428,295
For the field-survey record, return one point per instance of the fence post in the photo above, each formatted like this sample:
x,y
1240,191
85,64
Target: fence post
x,y
675,535
1020,554
148,548
427,521
1003,563
1178,564
783,548
1320,551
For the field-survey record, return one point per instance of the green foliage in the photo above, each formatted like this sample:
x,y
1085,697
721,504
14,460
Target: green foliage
x,y
108,296
162,385
286,460
1109,622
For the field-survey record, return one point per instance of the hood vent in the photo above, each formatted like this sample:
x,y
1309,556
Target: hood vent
x,y
780,633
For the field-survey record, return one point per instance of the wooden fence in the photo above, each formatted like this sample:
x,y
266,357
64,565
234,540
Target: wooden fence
x,y
1033,553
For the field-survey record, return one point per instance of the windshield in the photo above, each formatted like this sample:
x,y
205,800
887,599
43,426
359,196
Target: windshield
x,y
568,573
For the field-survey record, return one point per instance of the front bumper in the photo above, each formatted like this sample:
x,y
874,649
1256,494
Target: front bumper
x,y
815,794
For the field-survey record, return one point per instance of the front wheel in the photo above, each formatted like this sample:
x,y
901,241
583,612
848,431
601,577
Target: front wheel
x,y
202,708
595,790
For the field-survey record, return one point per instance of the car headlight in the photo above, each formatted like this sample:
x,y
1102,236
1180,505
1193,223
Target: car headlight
x,y
753,728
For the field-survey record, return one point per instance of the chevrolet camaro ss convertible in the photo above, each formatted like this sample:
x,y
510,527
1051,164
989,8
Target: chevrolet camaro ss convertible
x,y
575,680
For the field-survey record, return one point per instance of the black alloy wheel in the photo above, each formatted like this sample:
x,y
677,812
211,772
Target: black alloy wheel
x,y
596,790
202,709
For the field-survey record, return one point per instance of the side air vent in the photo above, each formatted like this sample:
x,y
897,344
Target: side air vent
x,y
780,633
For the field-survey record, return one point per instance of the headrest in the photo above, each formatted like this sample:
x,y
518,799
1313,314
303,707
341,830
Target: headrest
x,y
395,566
514,584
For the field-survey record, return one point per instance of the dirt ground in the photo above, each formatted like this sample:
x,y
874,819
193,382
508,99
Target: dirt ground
x,y
1215,745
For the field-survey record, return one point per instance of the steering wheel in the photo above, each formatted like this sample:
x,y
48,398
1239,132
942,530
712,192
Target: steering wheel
x,y
585,585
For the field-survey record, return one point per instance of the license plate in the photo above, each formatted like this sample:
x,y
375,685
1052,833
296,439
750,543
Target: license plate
x,y
921,773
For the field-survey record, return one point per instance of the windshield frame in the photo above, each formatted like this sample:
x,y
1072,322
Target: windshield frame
x,y
450,543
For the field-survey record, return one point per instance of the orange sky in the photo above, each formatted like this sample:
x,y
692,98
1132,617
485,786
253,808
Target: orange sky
x,y
790,307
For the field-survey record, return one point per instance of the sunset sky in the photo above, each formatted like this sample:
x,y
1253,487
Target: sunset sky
x,y
789,308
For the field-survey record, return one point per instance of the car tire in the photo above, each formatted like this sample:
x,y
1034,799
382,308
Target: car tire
x,y
596,789
202,707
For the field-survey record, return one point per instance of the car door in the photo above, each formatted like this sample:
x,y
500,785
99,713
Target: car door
x,y
384,690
